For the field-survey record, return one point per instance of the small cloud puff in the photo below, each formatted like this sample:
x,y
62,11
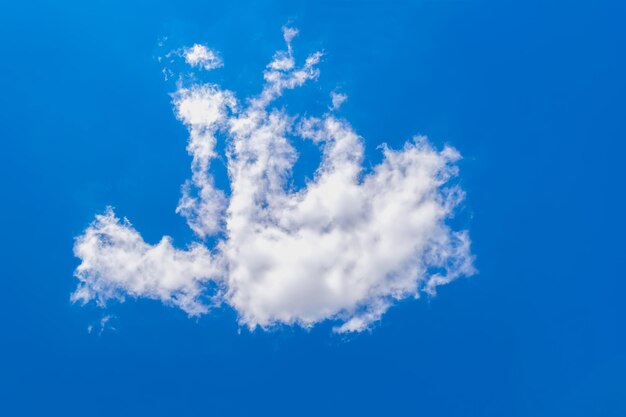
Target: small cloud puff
x,y
202,57
103,324
337,99
345,248
289,34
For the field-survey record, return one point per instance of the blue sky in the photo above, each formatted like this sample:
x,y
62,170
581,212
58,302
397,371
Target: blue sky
x,y
530,93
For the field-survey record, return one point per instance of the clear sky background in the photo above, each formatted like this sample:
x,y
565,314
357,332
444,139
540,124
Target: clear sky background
x,y
531,93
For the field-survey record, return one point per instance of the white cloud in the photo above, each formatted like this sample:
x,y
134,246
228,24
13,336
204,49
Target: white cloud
x,y
202,57
344,248
203,109
337,99
103,324
115,262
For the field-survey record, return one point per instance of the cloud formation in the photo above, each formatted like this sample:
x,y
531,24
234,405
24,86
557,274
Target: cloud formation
x,y
343,248
337,100
202,57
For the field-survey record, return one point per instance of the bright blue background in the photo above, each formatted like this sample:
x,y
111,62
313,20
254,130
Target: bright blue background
x,y
531,93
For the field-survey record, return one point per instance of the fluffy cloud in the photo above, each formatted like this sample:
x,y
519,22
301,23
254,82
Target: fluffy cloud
x,y
202,57
344,248
337,100
116,261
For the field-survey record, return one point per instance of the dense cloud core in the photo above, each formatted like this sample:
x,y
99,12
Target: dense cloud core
x,y
345,247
